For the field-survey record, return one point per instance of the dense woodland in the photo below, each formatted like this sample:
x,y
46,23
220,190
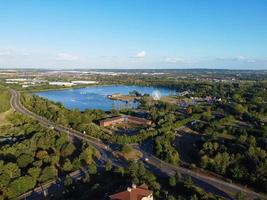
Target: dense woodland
x,y
82,121
32,155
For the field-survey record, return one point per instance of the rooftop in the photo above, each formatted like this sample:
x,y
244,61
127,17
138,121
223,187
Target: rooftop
x,y
134,193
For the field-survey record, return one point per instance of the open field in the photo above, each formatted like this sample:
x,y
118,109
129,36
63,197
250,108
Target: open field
x,y
132,155
126,128
169,99
4,105
4,99
3,115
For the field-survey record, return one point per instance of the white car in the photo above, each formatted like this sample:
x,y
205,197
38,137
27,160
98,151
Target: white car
x,y
146,159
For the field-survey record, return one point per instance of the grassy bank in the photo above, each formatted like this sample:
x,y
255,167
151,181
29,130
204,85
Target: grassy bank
x,y
55,88
4,99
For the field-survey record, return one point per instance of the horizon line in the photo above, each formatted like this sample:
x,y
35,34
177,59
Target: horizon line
x,y
78,69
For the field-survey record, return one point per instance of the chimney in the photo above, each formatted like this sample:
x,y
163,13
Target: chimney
x,y
133,186
129,189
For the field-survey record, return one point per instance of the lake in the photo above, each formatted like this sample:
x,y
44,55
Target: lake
x,y
95,97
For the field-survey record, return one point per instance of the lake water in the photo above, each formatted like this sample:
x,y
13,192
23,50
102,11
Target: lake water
x,y
95,97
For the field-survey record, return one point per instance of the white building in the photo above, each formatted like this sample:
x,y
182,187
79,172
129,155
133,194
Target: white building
x,y
16,80
84,82
67,84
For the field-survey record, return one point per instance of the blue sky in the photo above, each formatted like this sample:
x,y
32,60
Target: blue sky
x,y
133,34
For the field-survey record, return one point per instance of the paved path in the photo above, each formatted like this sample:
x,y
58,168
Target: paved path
x,y
208,183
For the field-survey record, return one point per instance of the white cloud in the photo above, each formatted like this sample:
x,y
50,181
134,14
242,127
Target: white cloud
x,y
240,59
141,54
66,57
5,52
251,61
13,53
171,60
245,59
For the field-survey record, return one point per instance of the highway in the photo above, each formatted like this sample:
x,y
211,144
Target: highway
x,y
206,182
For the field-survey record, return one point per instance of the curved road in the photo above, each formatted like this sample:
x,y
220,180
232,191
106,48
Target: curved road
x,y
17,106
208,183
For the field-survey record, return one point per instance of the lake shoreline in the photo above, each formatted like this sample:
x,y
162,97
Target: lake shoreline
x,y
96,97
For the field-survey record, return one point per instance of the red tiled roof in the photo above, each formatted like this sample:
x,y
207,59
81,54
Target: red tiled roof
x,y
112,119
135,194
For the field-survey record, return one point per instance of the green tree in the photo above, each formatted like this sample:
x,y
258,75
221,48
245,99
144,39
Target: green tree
x,y
221,162
67,149
48,173
67,167
86,178
4,179
172,181
108,165
239,109
55,160
126,148
170,197
92,168
133,171
45,141
141,170
68,181
188,182
87,155
177,176
240,196
34,172
20,186
119,170
12,170
24,160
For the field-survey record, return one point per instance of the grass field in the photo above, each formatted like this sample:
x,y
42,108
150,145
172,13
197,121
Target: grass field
x,y
133,155
4,105
3,118
4,99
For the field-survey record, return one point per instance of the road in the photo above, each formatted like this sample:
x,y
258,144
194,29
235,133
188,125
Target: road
x,y
17,106
206,182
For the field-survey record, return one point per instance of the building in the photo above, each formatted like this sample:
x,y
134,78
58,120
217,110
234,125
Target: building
x,y
84,82
111,121
16,80
124,119
134,193
67,84
138,120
